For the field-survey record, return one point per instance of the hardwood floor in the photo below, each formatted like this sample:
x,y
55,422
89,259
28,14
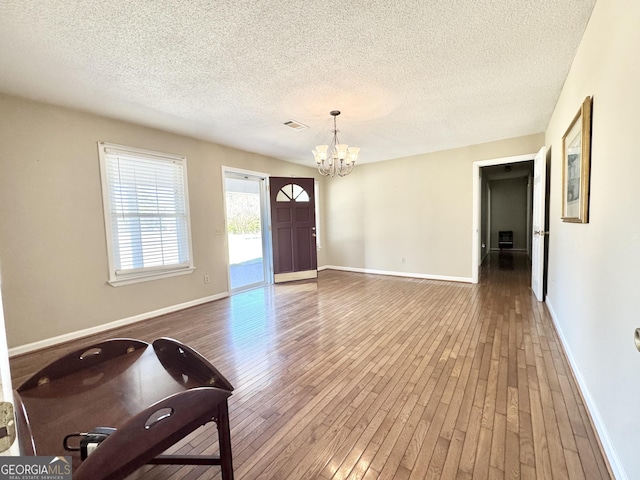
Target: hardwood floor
x,y
361,376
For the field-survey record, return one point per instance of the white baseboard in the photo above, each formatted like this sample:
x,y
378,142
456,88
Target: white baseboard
x,y
598,423
49,342
398,274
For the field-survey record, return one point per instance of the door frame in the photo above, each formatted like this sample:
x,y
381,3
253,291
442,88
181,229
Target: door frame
x,y
297,238
265,212
476,240
488,226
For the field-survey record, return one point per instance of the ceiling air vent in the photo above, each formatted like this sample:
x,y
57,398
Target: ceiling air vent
x,y
295,125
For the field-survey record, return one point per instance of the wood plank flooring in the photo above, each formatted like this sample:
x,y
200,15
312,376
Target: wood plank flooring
x,y
368,377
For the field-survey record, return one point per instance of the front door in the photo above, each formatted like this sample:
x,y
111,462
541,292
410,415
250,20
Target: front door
x,y
293,228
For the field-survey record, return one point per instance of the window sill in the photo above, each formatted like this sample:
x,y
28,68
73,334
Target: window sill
x,y
129,280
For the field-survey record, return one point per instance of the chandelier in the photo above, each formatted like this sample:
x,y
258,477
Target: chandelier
x,y
336,158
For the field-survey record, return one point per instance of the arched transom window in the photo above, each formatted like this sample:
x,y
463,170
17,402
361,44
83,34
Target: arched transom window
x,y
292,193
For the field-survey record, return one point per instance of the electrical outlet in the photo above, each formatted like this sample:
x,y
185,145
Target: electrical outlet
x,y
206,279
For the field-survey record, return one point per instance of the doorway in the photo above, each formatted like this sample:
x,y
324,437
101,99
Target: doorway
x,y
293,229
247,221
507,209
481,224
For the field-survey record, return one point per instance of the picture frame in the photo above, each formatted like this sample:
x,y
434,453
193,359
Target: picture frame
x,y
576,166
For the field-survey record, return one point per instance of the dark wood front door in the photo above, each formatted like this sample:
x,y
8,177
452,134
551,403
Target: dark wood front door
x,y
293,228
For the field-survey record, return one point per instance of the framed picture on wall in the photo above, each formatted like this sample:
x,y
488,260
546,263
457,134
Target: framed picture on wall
x,y
576,162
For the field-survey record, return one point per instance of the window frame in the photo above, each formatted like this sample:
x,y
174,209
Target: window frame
x,y
316,198
137,275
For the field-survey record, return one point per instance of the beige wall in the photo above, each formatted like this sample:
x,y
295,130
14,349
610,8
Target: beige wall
x,y
52,238
594,268
419,209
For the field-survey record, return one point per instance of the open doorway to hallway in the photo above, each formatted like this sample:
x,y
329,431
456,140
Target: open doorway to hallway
x,y
506,208
248,239
481,231
537,211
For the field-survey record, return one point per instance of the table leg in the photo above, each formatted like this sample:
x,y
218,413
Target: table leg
x,y
224,440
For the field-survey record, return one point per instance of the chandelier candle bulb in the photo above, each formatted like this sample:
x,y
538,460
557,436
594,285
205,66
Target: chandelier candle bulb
x,y
342,150
320,153
352,154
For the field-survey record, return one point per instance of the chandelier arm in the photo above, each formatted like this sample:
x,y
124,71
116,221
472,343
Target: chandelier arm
x,y
345,171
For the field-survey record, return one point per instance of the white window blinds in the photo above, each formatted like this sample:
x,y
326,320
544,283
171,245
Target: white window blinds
x,y
146,212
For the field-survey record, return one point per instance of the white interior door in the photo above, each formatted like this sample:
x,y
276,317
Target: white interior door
x,y
537,240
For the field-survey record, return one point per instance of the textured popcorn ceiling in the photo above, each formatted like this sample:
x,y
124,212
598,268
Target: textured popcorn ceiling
x,y
409,76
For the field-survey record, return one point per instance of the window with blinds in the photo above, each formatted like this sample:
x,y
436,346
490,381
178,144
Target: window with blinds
x,y
146,213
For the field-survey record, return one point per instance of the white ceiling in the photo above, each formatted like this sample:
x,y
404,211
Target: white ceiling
x,y
410,76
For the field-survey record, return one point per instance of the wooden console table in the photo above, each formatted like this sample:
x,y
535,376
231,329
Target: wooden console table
x,y
153,394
